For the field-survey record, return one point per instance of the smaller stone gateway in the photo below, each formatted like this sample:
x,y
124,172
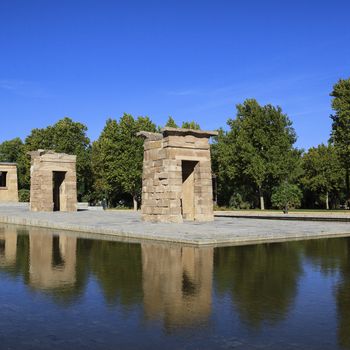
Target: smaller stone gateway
x,y
177,178
8,182
53,181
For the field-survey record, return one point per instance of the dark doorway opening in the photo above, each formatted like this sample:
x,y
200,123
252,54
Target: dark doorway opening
x,y
2,247
57,258
188,204
3,175
57,179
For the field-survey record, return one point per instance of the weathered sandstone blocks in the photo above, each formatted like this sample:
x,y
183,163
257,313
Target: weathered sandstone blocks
x,y
177,179
53,181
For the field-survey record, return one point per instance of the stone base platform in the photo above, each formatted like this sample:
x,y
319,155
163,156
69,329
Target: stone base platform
x,y
335,216
127,225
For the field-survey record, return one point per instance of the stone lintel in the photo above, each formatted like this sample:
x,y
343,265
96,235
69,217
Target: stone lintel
x,y
51,155
8,164
151,136
184,132
40,152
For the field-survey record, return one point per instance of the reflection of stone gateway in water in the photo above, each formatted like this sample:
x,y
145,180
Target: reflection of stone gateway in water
x,y
52,260
177,283
8,241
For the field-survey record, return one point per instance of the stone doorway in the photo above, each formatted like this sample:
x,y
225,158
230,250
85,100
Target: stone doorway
x,y
188,202
8,182
177,176
58,178
3,175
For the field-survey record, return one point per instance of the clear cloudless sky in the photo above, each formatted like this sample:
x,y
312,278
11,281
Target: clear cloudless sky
x,y
191,59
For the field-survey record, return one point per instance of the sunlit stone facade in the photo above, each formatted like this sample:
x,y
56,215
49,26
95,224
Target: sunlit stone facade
x,y
177,177
8,182
53,181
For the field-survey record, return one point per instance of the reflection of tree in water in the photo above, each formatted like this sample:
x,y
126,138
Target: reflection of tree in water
x,y
261,278
118,269
343,306
332,255
327,254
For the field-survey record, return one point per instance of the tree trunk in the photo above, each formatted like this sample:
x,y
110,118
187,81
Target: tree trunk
x,y
327,200
262,205
347,181
134,199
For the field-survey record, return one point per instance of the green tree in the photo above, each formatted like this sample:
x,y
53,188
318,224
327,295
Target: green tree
x,y
11,150
171,123
66,136
104,158
14,151
322,171
224,166
185,125
190,125
118,156
286,196
260,145
341,125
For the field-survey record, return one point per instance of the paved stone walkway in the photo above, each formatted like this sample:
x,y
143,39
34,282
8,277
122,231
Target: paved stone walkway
x,y
128,226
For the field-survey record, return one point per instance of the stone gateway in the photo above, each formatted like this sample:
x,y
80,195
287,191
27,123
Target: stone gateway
x,y
177,177
53,181
8,182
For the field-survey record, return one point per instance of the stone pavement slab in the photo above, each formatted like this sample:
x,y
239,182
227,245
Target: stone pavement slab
x,y
127,225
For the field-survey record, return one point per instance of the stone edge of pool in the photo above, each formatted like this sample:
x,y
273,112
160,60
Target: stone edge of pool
x,y
302,216
132,237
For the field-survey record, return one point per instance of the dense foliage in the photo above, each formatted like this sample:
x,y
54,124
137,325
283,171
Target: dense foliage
x,y
117,159
254,161
286,196
257,152
323,175
341,126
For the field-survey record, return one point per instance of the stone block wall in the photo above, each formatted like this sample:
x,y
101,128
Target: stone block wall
x,y
44,164
9,189
177,178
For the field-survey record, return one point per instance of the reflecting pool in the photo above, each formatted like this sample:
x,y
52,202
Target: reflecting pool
x,y
58,289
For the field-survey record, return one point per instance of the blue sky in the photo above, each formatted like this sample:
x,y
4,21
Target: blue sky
x,y
194,60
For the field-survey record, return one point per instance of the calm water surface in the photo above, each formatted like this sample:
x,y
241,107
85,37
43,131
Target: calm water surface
x,y
58,290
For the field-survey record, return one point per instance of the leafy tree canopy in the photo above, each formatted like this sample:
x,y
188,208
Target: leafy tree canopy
x,y
13,151
118,156
260,144
322,170
191,125
341,119
171,123
286,196
185,125
66,136
340,135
